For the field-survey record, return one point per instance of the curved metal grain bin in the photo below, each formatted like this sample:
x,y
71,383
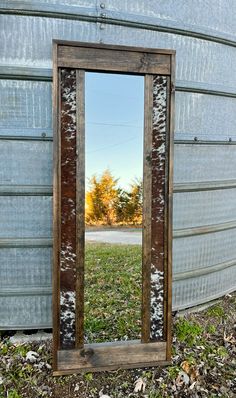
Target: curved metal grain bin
x,y
203,34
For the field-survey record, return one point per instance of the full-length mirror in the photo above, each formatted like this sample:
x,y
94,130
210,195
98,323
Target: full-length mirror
x,y
114,109
113,130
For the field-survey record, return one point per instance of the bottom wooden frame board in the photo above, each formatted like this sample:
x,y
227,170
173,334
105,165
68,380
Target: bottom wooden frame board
x,y
110,356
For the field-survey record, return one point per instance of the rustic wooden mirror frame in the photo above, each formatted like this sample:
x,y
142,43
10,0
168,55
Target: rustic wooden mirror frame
x,y
70,61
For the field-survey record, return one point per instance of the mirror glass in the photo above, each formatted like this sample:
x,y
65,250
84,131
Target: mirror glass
x,y
114,112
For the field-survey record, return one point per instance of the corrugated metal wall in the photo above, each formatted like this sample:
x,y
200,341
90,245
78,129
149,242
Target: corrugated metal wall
x,y
203,34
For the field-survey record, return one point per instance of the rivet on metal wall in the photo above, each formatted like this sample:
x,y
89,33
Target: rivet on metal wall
x,y
103,15
102,26
102,5
195,139
43,135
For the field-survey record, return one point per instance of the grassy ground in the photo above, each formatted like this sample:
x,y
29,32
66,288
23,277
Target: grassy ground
x,y
204,344
112,292
116,227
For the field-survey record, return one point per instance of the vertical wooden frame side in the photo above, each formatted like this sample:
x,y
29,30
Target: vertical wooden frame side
x,y
147,188
80,207
56,208
147,211
170,207
166,212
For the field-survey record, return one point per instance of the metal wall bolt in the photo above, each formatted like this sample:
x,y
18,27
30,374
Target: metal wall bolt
x,y
43,135
195,139
102,5
102,26
103,15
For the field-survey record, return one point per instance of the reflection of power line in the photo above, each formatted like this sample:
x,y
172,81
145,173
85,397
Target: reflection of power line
x,y
113,145
113,124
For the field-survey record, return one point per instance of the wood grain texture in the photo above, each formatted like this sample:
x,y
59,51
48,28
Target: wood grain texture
x,y
166,210
113,60
56,211
111,355
168,271
153,50
147,209
80,205
127,365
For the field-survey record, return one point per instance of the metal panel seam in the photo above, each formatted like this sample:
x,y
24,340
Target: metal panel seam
x,y
41,74
126,23
203,271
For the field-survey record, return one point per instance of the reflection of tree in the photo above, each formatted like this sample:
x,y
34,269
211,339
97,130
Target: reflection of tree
x,y
106,203
101,199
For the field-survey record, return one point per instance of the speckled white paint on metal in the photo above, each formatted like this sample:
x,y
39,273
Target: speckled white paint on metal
x,y
67,256
156,303
68,208
158,191
67,316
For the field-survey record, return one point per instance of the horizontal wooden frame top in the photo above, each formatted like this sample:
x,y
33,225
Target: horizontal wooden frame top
x,y
103,57
113,354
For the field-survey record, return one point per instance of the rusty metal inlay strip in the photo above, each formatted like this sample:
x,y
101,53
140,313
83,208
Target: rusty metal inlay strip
x,y
68,209
158,160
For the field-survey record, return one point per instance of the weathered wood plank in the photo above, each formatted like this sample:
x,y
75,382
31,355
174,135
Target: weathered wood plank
x,y
112,354
113,60
110,368
56,210
166,210
168,270
147,209
112,47
80,205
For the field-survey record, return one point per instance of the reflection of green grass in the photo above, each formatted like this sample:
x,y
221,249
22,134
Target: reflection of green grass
x,y
112,292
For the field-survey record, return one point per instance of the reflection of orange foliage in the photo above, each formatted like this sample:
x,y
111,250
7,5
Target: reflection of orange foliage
x,y
101,199
108,204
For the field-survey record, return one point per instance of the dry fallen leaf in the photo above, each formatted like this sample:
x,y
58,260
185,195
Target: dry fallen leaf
x,y
76,387
191,371
194,374
101,395
104,396
185,366
32,356
140,385
182,378
229,339
192,385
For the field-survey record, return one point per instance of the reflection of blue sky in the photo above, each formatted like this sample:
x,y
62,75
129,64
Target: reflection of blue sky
x,y
114,125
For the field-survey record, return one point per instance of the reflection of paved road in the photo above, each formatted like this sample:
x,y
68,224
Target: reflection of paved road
x,y
133,237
